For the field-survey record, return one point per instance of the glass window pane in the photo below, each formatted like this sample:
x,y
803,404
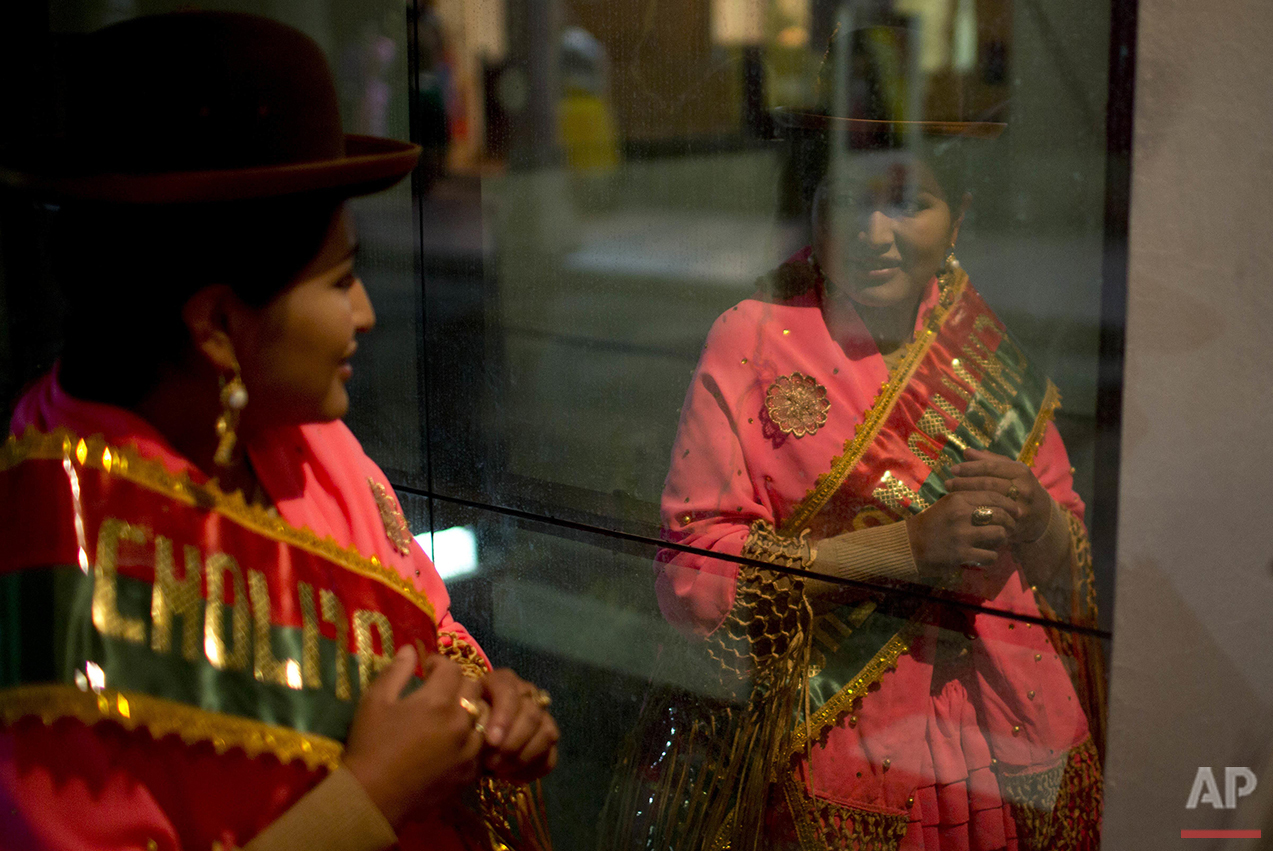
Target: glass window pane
x,y
620,189
928,717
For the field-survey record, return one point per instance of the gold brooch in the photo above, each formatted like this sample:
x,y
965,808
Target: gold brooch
x,y
797,404
396,529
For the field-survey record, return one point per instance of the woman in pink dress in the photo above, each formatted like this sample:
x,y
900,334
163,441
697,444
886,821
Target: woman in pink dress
x,y
866,421
219,631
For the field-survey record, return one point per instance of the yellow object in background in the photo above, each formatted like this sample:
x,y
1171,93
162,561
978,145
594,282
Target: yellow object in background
x,y
588,132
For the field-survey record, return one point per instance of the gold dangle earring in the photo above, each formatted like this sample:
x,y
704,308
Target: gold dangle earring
x,y
234,398
951,264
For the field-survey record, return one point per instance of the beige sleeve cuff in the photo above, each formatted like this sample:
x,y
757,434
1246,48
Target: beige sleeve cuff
x,y
336,815
873,553
1052,547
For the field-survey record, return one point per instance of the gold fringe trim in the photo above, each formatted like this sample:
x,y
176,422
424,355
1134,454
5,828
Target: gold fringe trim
x,y
721,842
821,824
514,816
94,453
865,432
841,703
1059,809
468,657
765,544
1047,410
769,620
162,718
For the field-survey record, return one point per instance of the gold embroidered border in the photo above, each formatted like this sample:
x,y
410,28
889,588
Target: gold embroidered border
x,y
1047,410
866,431
162,718
822,824
152,475
841,703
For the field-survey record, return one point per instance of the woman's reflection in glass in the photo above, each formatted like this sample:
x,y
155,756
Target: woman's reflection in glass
x,y
866,419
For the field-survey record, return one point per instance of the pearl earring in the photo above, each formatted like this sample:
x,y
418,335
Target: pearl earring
x,y
234,398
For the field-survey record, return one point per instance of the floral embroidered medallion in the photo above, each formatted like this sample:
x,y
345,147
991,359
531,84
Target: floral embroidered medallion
x,y
395,524
797,404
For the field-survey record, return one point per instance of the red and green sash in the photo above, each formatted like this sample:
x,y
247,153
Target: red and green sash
x,y
136,596
962,383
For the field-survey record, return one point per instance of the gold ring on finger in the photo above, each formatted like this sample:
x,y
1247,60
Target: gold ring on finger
x,y
542,698
472,709
1014,493
983,515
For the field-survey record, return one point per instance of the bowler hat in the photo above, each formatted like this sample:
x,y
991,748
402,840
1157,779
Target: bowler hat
x,y
195,107
871,112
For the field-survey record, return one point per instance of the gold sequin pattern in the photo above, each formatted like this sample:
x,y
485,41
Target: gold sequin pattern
x,y
176,597
370,662
235,658
928,449
265,666
932,424
106,615
334,613
946,407
898,496
1006,346
996,377
311,669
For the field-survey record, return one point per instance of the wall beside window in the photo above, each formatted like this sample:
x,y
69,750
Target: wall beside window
x,y
1193,683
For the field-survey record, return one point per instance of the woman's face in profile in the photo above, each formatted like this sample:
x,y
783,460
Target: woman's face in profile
x,y
882,228
295,350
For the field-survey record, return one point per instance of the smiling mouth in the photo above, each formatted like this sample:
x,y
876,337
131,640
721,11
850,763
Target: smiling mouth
x,y
344,367
875,271
875,264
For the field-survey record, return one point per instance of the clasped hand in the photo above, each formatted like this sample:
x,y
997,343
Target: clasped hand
x,y
411,751
944,535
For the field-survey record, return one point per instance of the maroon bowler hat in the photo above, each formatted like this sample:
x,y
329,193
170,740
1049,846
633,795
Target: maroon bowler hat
x,y
197,107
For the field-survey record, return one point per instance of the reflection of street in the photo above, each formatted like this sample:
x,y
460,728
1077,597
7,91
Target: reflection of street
x,y
572,368
693,249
